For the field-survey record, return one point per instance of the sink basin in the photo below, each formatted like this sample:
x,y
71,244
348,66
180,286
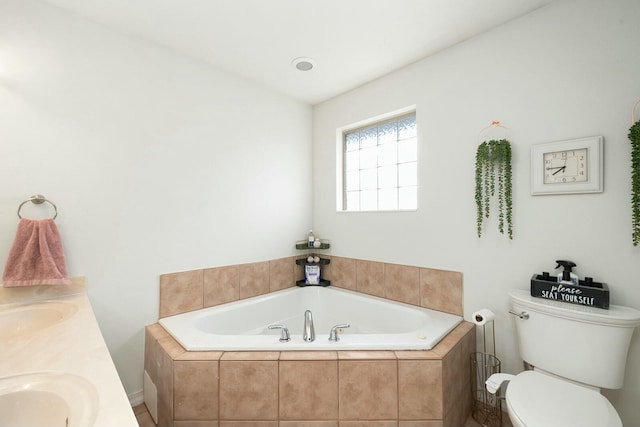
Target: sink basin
x,y
47,398
31,318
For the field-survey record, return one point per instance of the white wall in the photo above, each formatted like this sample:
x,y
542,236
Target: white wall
x,y
566,71
157,163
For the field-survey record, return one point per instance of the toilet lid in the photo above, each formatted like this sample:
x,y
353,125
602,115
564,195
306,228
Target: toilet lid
x,y
540,400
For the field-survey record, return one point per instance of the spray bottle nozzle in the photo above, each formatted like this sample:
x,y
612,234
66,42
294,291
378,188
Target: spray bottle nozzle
x,y
568,265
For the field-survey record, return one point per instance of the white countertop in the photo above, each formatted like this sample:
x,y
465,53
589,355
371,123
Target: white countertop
x,y
74,346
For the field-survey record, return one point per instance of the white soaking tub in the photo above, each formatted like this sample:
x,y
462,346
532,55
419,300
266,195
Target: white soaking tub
x,y
376,323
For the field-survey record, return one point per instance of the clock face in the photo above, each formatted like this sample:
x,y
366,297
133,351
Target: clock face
x,y
566,166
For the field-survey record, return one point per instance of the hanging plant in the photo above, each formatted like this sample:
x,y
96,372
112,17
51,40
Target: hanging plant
x,y
493,162
634,137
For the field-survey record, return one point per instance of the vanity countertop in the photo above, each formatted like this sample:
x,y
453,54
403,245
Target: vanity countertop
x,y
73,345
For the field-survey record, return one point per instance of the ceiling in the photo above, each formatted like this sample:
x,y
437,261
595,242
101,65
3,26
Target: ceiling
x,y
351,41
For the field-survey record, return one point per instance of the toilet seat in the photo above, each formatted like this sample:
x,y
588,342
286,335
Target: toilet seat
x,y
539,400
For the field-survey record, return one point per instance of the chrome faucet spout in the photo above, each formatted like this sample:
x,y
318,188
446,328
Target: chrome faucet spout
x,y
309,333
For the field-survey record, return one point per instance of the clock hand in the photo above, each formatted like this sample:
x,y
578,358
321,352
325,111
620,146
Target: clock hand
x,y
559,169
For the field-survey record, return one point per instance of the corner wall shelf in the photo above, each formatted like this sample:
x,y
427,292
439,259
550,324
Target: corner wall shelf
x,y
304,262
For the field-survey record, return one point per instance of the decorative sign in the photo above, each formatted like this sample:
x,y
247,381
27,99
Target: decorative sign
x,y
589,293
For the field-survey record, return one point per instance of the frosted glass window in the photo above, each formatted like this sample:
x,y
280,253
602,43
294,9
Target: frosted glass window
x,y
388,153
352,161
369,200
368,158
407,174
380,166
388,199
352,200
353,181
388,177
408,198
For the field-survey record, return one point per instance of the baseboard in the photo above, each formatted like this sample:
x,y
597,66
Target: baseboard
x,y
136,398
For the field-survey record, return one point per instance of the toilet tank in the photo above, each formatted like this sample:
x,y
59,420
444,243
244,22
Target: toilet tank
x,y
580,343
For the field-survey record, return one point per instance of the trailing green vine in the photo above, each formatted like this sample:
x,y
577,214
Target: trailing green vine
x,y
634,137
493,161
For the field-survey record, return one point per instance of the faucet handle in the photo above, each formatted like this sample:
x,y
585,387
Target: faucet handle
x,y
333,335
284,336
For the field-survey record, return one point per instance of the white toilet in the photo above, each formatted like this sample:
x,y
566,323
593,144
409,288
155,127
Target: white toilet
x,y
575,351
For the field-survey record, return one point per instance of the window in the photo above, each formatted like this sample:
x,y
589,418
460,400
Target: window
x,y
380,166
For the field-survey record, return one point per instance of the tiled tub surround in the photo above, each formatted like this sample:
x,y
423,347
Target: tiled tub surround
x,y
192,290
311,388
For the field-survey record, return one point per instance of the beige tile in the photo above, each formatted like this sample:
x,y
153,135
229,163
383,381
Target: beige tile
x,y
248,423
151,347
402,283
171,346
368,390
181,292
452,339
298,273
308,355
195,390
139,409
298,423
199,355
441,290
420,389
367,355
145,420
368,423
250,355
195,423
281,273
159,365
456,376
164,384
343,272
417,355
249,390
254,279
308,390
326,269
221,285
421,423
370,277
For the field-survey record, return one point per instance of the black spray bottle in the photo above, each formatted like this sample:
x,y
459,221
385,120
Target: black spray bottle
x,y
567,276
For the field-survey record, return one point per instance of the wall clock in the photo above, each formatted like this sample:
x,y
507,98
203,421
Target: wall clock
x,y
568,167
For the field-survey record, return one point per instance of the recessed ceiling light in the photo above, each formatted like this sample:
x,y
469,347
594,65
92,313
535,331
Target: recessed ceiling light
x,y
303,64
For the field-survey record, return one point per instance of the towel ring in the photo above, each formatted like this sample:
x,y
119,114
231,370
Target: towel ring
x,y
38,199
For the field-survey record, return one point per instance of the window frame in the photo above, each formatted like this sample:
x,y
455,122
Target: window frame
x,y
341,134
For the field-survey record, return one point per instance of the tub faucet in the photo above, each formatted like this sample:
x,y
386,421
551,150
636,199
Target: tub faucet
x,y
284,335
333,334
309,331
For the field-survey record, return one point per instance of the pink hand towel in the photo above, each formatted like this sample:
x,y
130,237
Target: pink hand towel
x,y
36,257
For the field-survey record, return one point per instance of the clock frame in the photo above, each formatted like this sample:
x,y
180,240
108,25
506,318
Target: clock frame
x,y
568,167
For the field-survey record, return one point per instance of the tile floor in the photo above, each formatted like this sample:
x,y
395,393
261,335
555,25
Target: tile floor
x,y
143,416
145,420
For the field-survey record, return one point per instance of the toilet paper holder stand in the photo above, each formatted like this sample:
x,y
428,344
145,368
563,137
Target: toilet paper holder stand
x,y
486,408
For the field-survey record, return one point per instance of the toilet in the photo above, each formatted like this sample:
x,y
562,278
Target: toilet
x,y
575,351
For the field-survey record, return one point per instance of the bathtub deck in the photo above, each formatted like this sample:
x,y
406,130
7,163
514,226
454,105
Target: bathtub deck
x,y
295,388
145,420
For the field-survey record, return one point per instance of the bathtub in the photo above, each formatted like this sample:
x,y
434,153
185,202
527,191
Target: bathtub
x,y
376,323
